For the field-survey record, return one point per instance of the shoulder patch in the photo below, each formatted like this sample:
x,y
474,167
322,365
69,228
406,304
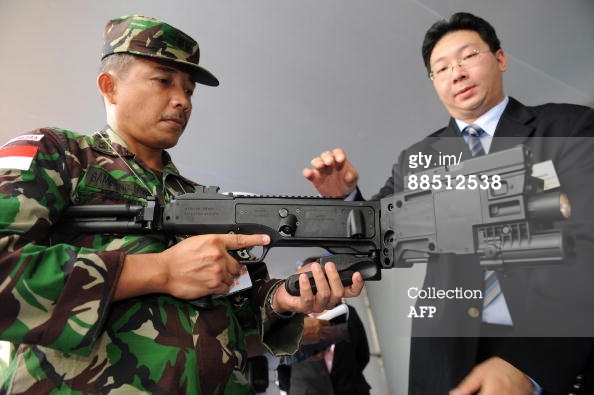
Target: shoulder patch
x,y
17,157
25,137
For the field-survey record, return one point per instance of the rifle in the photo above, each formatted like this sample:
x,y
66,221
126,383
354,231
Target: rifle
x,y
501,214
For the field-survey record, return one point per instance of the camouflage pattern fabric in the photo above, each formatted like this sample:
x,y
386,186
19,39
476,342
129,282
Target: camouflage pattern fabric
x,y
56,299
145,36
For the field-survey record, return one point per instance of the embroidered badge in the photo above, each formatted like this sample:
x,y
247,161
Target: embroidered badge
x,y
17,157
101,179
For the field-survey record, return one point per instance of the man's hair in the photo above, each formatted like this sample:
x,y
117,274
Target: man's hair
x,y
458,21
310,259
118,64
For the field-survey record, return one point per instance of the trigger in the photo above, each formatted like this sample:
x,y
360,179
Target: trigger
x,y
252,254
244,254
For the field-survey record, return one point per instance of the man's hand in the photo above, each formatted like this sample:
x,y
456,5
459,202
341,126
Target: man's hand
x,y
330,291
314,330
332,175
195,267
495,376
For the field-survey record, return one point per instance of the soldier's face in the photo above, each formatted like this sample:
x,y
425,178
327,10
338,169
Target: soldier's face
x,y
153,104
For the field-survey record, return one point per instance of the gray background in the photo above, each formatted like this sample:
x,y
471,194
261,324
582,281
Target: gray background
x,y
296,78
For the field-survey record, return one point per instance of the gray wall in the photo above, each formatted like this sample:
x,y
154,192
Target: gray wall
x,y
296,78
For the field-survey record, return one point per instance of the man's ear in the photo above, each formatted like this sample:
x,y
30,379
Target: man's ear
x,y
501,60
106,83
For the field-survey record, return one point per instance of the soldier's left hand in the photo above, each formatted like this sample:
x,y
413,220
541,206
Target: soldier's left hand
x,y
330,291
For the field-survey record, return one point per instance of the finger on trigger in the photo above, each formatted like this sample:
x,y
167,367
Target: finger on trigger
x,y
238,241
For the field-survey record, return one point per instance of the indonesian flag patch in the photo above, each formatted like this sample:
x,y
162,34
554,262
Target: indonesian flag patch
x,y
17,157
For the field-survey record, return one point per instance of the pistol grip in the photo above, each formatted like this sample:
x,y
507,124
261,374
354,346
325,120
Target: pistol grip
x,y
346,266
292,283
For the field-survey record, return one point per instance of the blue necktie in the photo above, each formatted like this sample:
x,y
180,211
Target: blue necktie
x,y
472,134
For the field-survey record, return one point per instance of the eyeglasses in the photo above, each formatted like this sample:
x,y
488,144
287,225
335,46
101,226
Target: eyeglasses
x,y
445,71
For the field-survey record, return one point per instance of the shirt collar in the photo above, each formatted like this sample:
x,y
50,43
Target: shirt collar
x,y
108,142
489,120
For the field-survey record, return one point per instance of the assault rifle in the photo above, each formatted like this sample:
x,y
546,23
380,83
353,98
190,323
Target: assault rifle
x,y
489,206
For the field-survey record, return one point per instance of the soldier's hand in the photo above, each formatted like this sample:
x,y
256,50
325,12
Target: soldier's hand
x,y
332,174
195,267
330,291
202,265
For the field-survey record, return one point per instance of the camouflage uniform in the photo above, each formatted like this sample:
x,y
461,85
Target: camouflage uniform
x,y
56,299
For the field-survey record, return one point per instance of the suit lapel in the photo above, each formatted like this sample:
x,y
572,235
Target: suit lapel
x,y
449,141
514,127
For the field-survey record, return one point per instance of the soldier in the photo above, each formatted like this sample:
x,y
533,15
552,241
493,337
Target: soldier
x,y
111,312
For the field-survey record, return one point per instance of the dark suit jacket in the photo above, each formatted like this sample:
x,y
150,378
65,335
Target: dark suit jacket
x,y
543,301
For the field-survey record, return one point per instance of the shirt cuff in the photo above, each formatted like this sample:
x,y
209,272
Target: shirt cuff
x,y
351,196
537,388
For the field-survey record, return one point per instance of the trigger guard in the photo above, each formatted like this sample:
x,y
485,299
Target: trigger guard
x,y
246,255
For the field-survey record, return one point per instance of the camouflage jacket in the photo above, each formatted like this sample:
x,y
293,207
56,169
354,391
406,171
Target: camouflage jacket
x,y
56,298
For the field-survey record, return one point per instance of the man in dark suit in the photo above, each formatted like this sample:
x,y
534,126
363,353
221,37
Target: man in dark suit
x,y
533,337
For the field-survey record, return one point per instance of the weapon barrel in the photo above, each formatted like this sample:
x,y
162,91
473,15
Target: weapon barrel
x,y
103,211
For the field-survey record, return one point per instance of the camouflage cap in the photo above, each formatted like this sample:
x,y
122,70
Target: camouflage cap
x,y
145,36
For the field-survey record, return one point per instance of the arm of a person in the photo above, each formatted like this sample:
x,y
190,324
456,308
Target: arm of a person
x,y
556,354
276,324
495,376
332,174
54,295
195,267
313,330
58,295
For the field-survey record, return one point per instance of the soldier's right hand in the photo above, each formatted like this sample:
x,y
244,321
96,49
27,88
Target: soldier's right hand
x,y
193,268
332,175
